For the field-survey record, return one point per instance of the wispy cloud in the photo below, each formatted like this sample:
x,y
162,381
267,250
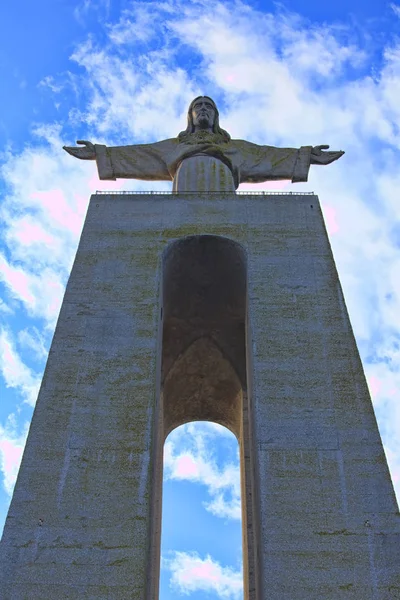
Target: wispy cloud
x,y
395,8
12,443
145,99
49,82
134,25
15,373
33,340
191,573
83,7
5,308
27,287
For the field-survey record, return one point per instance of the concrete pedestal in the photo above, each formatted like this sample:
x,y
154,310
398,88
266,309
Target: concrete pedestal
x,y
319,512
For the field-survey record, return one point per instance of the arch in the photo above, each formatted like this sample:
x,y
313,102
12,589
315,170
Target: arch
x,y
203,371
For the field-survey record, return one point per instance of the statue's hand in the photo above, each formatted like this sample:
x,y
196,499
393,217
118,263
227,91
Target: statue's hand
x,y
88,152
319,157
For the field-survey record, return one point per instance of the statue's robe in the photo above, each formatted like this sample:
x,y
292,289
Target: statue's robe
x,y
203,166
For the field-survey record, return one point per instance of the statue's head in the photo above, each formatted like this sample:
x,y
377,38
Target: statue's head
x,y
203,115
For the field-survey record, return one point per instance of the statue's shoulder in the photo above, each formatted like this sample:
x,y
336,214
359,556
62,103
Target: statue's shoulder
x,y
248,150
169,142
160,145
244,144
165,146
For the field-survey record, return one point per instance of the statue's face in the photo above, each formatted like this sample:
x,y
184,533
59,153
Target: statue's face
x,y
203,113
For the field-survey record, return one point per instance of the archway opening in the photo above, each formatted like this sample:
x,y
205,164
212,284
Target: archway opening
x,y
203,372
201,544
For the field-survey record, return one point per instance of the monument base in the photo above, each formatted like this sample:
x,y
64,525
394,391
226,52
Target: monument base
x,y
320,517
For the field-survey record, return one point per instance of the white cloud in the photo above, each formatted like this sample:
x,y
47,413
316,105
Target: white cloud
x,y
32,339
4,308
190,573
395,8
189,456
135,24
146,98
28,287
14,372
12,443
225,509
318,51
81,9
84,7
49,82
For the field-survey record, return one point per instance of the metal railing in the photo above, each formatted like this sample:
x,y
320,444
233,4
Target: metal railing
x,y
170,193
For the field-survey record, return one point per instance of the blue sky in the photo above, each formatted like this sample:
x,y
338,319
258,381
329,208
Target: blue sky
x,y
114,71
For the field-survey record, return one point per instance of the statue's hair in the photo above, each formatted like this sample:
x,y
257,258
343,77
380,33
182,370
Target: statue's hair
x,y
183,135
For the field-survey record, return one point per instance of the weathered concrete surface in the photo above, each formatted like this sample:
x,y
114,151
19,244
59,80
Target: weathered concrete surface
x,y
320,512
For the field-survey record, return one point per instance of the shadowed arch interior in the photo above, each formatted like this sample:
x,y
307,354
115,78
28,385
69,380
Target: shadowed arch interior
x,y
202,385
203,372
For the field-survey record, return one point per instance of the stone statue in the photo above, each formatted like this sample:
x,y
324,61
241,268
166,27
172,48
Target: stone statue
x,y
203,157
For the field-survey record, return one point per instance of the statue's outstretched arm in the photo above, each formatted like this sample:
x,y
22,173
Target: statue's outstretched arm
x,y
319,157
139,161
266,163
88,152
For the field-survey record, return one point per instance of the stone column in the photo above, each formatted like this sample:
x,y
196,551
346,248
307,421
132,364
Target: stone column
x,y
329,521
79,523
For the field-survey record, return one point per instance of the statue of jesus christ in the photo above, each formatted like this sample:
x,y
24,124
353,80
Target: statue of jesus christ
x,y
204,157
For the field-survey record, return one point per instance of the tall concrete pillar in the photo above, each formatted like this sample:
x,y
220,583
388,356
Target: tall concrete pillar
x,y
230,305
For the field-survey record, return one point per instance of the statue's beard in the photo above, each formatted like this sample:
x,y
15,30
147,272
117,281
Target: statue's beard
x,y
202,136
204,122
